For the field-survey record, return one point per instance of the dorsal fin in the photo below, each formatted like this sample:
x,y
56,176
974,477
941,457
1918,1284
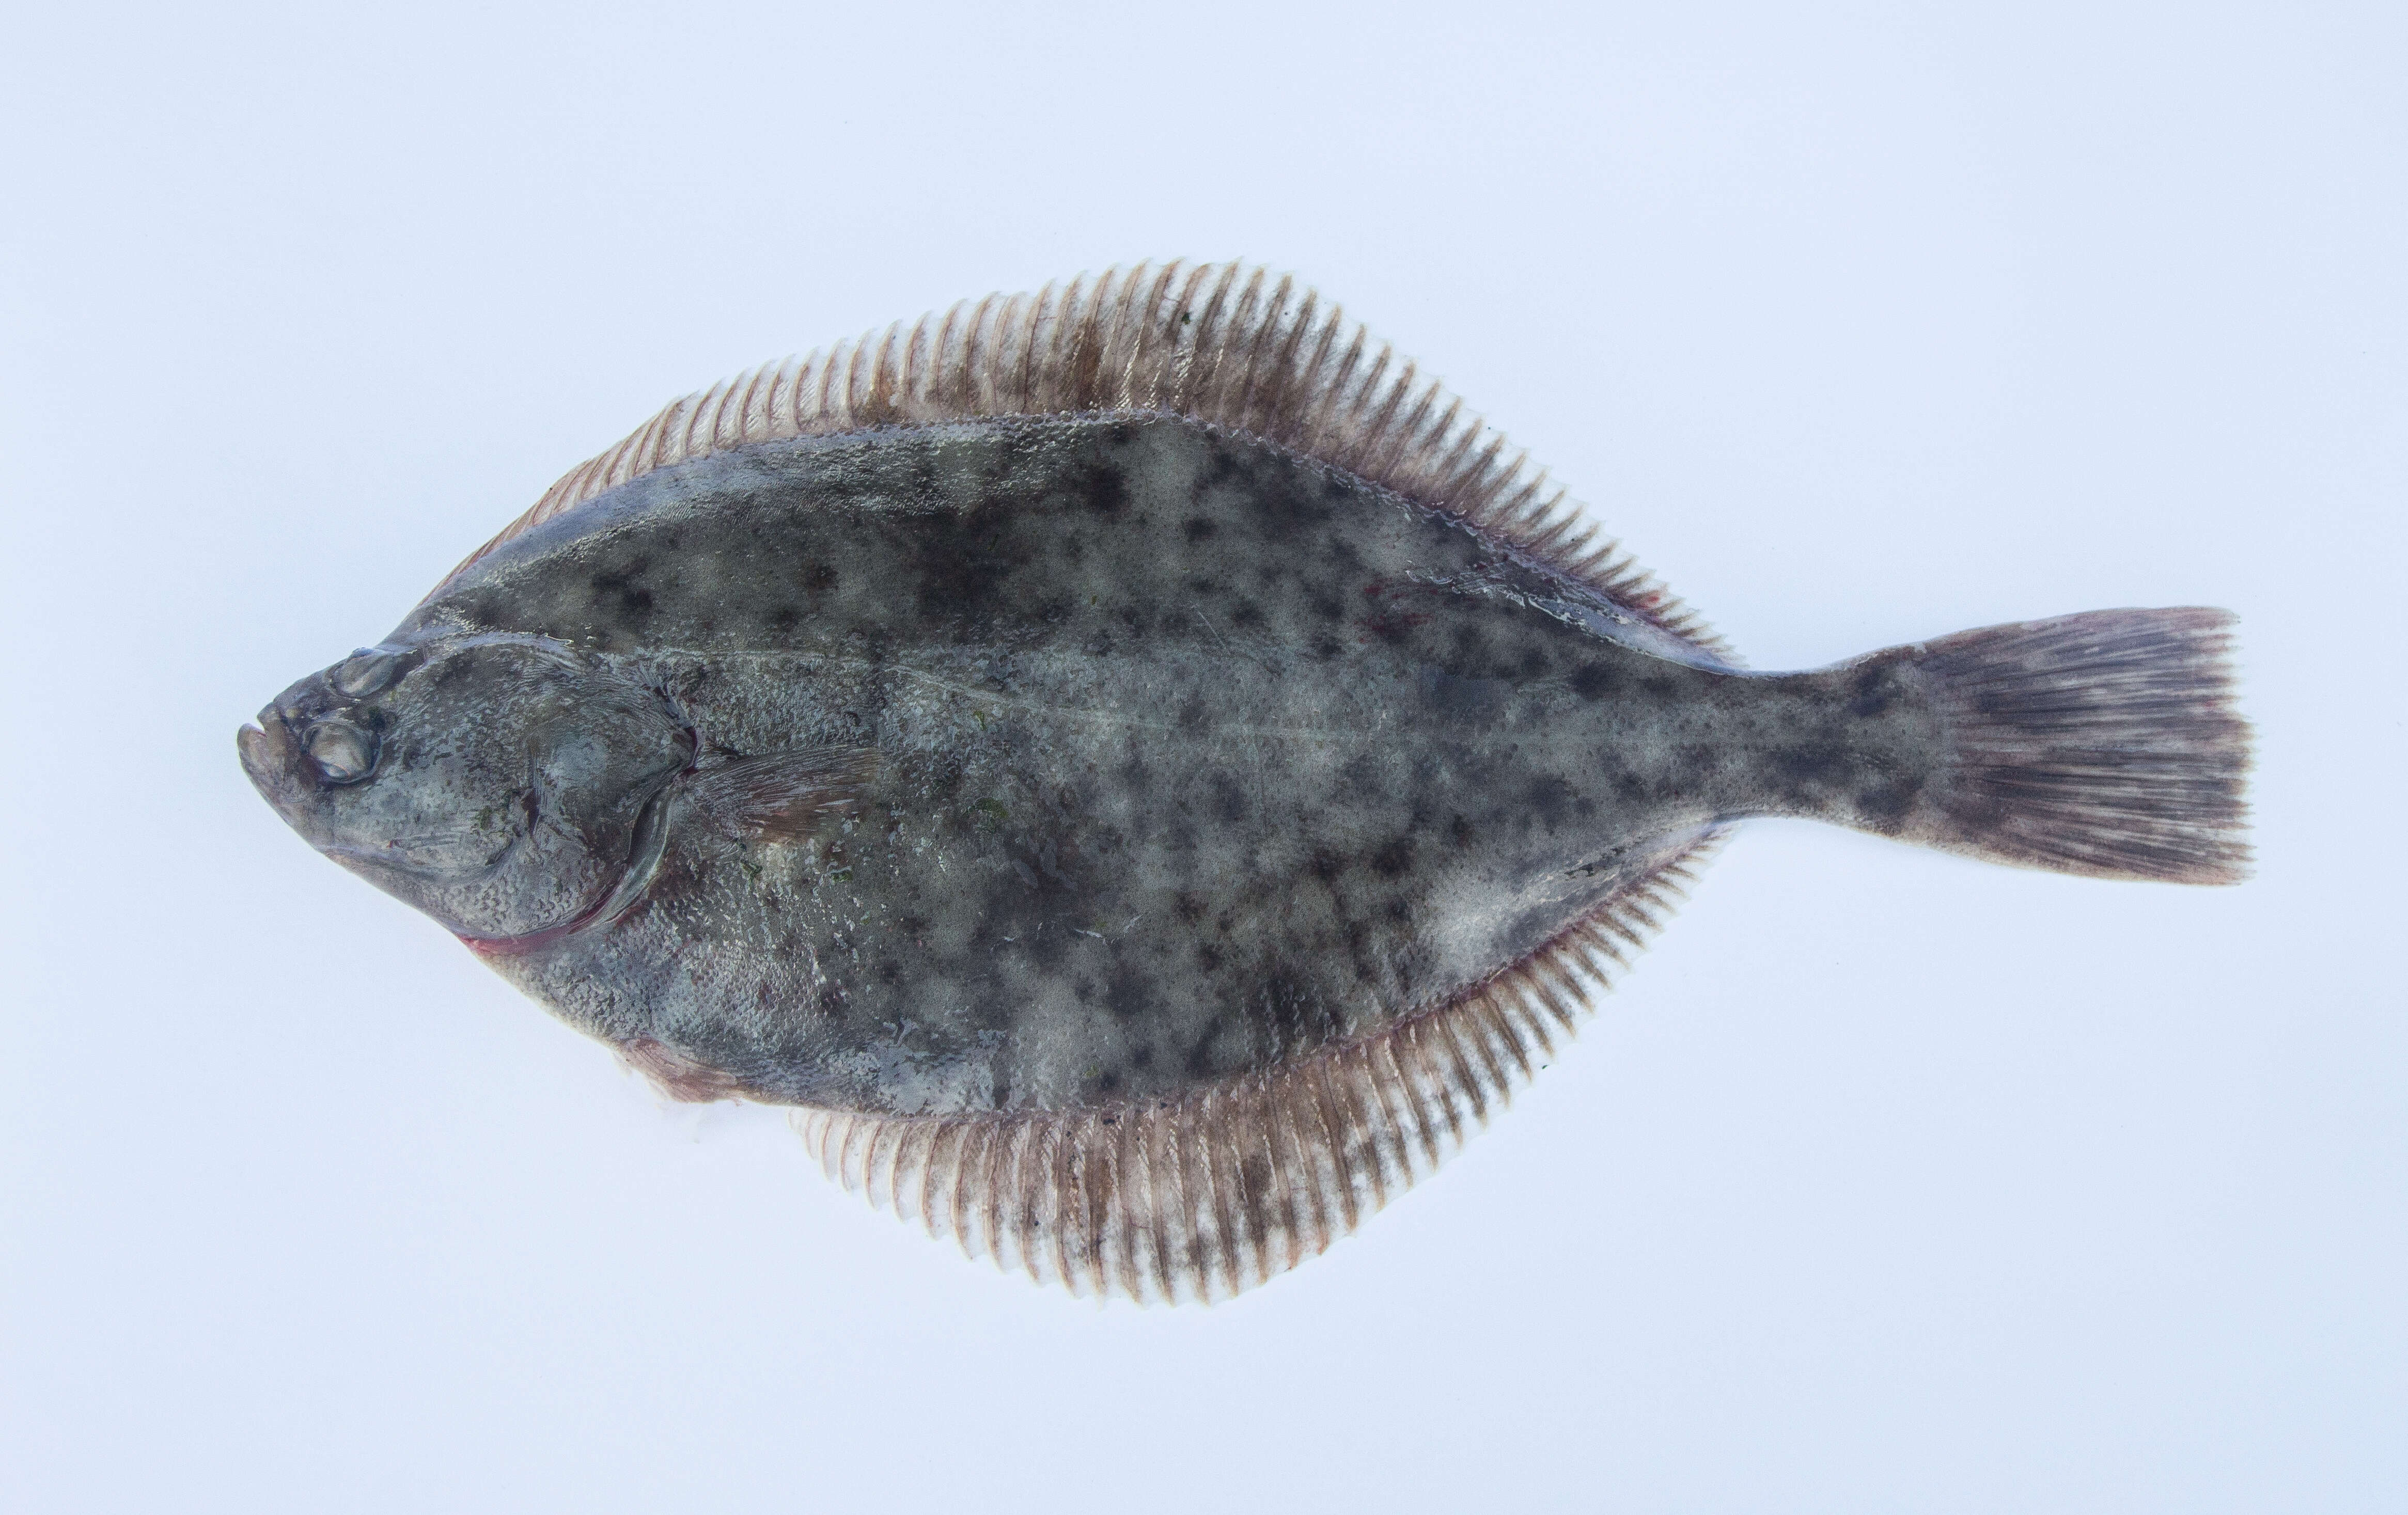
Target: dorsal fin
x,y
1212,1193
1231,345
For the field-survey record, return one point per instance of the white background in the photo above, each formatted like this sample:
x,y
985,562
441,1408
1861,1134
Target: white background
x,y
1888,1182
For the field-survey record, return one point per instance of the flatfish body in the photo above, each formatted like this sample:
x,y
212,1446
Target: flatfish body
x,y
1143,772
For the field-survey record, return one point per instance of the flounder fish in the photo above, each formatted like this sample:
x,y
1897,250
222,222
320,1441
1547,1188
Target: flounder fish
x,y
1142,770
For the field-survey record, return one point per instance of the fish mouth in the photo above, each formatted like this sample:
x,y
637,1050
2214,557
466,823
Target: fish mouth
x,y
269,755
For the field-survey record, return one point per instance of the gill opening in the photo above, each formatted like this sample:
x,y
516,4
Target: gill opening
x,y
644,853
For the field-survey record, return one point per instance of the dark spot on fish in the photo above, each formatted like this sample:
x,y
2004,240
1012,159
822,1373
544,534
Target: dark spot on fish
x,y
1592,680
1325,864
1228,800
1130,993
1871,694
1393,859
1810,767
1046,945
1103,487
1548,798
1200,528
1047,855
1202,1063
1885,804
1458,831
1209,956
961,565
620,591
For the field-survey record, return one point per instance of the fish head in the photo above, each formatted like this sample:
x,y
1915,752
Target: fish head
x,y
494,782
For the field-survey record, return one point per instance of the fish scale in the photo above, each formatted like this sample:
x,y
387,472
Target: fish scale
x,y
1144,772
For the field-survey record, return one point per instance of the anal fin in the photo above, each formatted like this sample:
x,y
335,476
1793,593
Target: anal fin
x,y
1208,1193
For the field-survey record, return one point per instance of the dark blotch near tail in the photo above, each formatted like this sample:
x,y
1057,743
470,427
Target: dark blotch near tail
x,y
2104,744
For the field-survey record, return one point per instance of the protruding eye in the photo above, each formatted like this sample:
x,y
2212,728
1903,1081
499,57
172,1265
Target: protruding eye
x,y
365,672
342,751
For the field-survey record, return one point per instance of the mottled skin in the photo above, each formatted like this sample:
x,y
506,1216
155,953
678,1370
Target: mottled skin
x,y
1187,754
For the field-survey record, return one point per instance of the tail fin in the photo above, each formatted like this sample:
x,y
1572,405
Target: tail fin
x,y
2103,743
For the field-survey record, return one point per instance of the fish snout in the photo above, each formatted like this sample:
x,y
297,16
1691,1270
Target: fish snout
x,y
271,755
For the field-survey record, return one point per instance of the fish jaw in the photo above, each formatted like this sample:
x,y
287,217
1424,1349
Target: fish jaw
x,y
273,760
261,756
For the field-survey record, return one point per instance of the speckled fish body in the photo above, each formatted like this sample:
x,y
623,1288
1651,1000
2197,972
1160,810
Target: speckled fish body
x,y
1142,823
1192,757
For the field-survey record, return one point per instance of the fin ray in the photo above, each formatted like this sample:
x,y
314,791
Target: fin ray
x,y
785,796
1229,345
1206,1194
2104,743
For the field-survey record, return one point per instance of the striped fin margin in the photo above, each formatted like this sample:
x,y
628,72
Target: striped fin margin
x,y
1201,1197
1233,346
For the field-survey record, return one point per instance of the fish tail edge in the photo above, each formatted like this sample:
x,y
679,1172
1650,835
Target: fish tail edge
x,y
2105,743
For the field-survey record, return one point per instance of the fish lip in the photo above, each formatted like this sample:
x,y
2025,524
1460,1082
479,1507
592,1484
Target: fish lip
x,y
266,750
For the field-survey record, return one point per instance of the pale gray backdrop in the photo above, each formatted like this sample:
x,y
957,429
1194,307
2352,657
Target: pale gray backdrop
x,y
1888,1182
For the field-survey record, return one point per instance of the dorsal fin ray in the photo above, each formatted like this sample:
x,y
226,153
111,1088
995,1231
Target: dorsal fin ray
x,y
1230,345
1203,1195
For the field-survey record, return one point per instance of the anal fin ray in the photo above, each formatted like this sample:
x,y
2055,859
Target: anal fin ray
x,y
1206,1194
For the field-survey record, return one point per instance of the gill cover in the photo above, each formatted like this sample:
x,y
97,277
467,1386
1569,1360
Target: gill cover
x,y
494,782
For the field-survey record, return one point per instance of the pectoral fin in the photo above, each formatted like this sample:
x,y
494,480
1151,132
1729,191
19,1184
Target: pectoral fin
x,y
785,796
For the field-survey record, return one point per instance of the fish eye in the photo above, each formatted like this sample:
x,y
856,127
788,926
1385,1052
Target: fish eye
x,y
365,672
342,751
